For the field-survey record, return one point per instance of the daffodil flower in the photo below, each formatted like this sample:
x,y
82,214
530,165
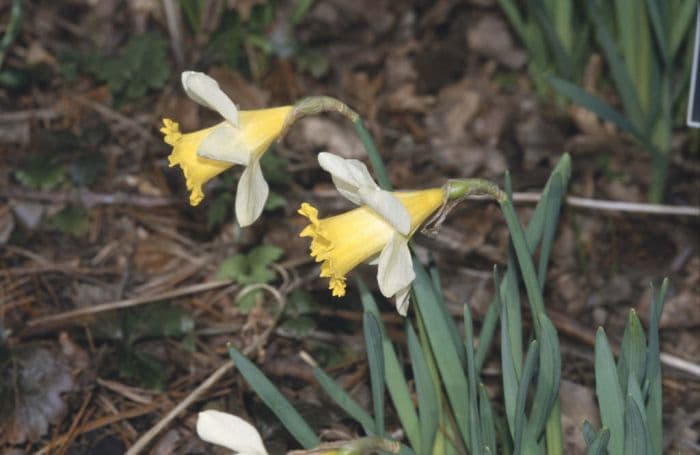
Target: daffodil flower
x,y
230,431
381,226
242,138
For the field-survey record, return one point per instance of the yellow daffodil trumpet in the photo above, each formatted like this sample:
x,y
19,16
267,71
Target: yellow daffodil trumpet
x,y
241,138
379,228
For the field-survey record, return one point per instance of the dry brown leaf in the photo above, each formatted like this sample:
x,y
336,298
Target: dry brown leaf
x,y
491,38
34,377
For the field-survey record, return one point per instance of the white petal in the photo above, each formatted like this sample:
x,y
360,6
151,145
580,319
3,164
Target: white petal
x,y
348,175
402,299
206,91
251,194
230,431
225,143
388,206
395,266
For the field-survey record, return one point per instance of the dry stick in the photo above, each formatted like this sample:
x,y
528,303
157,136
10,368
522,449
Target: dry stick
x,y
144,440
126,303
87,198
616,206
111,114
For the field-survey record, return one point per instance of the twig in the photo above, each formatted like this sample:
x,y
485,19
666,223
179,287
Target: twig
x,y
126,303
111,114
86,197
29,114
144,440
615,206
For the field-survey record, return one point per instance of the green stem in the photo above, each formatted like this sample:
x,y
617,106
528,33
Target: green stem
x,y
375,158
459,188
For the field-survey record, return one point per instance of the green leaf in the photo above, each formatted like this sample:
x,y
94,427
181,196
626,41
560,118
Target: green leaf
x,y
375,158
233,268
599,445
633,352
488,428
395,380
652,381
589,433
451,325
142,367
375,359
275,168
475,436
40,173
520,418
443,349
551,221
609,393
548,376
73,220
345,401
425,391
636,433
275,201
509,370
598,107
140,67
273,398
264,255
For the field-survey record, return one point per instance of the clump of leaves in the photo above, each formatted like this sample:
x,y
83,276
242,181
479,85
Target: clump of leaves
x,y
140,67
299,314
251,268
40,173
32,381
134,326
73,220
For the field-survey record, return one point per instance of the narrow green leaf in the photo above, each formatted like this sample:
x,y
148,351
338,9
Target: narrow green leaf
x,y
508,372
394,376
375,358
599,446
680,31
345,401
554,197
445,354
273,398
488,325
488,428
636,434
561,57
653,374
657,23
609,393
513,14
548,376
597,106
425,391
449,320
633,354
475,426
520,418
522,251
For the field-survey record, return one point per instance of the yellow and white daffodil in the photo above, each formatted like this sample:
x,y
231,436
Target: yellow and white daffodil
x,y
230,431
242,138
381,226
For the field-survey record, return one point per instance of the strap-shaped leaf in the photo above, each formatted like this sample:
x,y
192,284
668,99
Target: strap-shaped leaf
x,y
475,428
488,427
273,398
395,380
633,354
375,358
425,391
652,382
548,376
520,418
345,401
443,350
599,445
610,398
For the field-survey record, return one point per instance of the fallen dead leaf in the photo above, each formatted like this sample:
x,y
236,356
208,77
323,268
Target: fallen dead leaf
x,y
31,386
577,405
491,38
